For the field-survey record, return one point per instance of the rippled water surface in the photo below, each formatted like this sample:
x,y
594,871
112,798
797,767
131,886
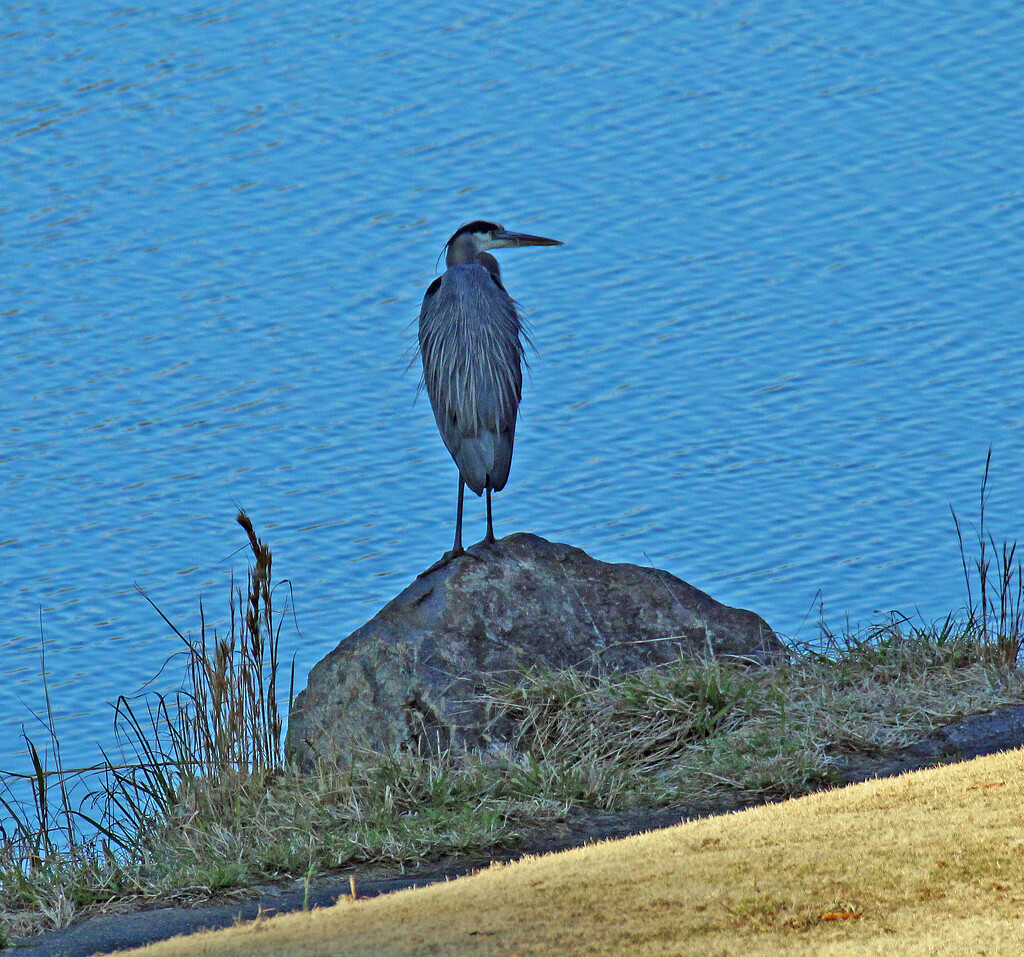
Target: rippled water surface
x,y
783,331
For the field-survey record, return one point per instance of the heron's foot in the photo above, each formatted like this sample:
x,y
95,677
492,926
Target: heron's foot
x,y
446,558
481,546
481,550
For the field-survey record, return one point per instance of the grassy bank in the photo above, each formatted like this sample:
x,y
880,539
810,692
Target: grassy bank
x,y
204,802
928,864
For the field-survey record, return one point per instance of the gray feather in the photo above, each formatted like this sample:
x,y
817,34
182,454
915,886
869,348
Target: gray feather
x,y
469,333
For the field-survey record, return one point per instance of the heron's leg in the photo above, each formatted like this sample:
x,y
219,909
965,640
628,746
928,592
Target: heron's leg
x,y
489,537
457,547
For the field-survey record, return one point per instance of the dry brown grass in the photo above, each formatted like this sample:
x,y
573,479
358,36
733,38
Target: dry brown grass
x,y
930,863
229,720
688,731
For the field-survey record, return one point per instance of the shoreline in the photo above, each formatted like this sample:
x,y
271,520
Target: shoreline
x,y
973,736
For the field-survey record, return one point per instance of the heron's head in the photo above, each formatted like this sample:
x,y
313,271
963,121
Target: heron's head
x,y
478,236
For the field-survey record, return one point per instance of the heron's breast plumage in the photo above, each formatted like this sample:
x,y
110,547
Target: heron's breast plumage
x,y
469,335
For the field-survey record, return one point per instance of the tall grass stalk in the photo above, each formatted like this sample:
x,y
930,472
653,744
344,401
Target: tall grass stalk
x,y
228,721
997,613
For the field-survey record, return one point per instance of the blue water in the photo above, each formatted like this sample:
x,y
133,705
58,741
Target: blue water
x,y
781,336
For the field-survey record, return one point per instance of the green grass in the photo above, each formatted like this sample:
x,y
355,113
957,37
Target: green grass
x,y
207,804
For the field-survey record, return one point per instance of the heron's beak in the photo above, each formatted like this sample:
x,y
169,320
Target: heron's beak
x,y
505,238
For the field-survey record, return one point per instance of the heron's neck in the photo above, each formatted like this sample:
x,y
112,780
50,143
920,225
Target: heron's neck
x,y
490,264
462,250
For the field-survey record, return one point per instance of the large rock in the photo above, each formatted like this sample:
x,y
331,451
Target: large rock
x,y
411,677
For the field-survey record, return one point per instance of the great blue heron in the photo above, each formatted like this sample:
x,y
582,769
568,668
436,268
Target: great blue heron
x,y
472,361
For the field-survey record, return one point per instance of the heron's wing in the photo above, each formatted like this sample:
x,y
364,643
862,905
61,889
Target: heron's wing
x,y
472,370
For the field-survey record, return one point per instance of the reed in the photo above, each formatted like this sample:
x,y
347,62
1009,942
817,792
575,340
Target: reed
x,y
226,721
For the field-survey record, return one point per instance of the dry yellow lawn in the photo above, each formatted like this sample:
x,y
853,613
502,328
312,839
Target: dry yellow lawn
x,y
931,863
